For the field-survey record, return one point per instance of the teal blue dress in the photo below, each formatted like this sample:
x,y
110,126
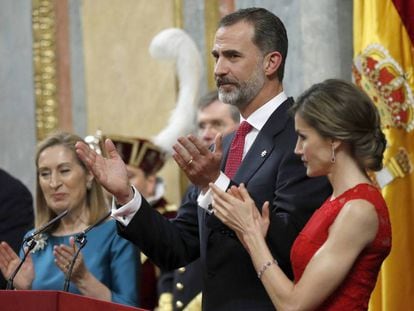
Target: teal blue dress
x,y
113,260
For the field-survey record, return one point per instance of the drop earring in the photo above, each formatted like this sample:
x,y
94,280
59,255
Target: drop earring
x,y
333,158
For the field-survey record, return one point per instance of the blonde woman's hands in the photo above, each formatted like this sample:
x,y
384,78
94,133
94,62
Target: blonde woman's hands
x,y
236,209
84,280
9,261
63,258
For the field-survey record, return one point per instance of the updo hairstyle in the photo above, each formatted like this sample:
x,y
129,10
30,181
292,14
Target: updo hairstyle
x,y
339,110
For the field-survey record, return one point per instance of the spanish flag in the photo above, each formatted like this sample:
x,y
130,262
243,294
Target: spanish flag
x,y
383,66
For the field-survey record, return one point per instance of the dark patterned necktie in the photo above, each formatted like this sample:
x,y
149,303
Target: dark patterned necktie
x,y
236,149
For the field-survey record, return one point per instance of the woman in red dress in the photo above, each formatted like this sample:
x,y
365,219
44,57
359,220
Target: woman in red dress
x,y
337,256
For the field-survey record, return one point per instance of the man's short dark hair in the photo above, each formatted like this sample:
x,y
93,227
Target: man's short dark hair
x,y
269,32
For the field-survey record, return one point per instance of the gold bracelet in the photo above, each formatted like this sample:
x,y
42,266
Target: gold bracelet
x,y
265,266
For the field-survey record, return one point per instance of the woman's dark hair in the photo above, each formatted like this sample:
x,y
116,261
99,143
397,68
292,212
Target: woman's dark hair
x,y
338,109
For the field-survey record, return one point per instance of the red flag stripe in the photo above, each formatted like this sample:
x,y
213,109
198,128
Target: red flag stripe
x,y
405,9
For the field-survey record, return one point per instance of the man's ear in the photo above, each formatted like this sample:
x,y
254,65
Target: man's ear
x,y
272,62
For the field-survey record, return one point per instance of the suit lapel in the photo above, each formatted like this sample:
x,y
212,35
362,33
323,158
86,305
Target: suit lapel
x,y
263,144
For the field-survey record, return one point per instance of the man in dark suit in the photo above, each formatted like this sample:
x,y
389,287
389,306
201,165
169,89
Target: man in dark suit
x,y
250,50
16,213
180,289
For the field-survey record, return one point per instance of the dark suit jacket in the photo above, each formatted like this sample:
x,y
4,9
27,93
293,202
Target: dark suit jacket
x,y
271,172
16,213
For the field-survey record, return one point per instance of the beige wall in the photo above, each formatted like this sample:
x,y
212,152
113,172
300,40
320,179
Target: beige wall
x,y
128,92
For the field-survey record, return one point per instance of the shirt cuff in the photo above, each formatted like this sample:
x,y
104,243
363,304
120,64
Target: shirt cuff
x,y
205,200
126,212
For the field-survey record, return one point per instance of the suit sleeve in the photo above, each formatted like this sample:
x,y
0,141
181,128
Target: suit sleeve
x,y
169,243
16,212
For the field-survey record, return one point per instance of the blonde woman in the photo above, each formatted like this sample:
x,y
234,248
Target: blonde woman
x,y
107,266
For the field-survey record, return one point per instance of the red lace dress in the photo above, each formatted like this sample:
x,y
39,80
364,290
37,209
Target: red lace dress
x,y
355,291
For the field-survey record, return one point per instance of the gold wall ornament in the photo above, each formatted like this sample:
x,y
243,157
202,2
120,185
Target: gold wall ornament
x,y
44,62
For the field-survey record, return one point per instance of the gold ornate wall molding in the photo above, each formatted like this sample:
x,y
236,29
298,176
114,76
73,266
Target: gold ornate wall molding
x,y
51,59
44,59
